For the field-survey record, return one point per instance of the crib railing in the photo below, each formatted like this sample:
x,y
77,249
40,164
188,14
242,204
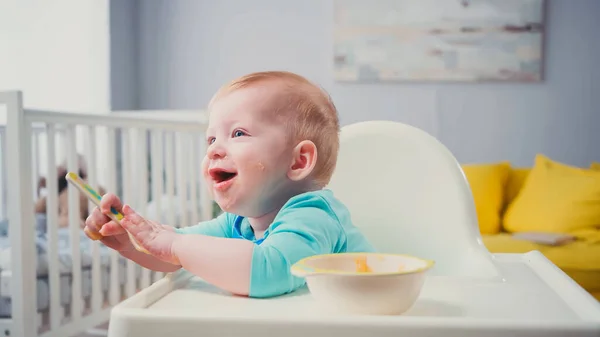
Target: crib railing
x,y
150,162
37,172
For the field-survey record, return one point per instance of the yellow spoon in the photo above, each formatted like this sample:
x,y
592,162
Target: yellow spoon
x,y
95,197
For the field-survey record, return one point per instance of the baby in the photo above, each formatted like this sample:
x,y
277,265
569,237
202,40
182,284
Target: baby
x,y
272,144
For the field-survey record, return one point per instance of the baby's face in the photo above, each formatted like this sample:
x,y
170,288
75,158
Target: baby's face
x,y
248,155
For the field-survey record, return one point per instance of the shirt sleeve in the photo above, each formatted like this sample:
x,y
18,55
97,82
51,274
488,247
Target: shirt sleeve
x,y
219,227
298,234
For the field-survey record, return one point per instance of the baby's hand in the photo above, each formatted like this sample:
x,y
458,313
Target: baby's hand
x,y
99,227
150,235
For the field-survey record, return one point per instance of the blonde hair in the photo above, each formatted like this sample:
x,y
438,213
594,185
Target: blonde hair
x,y
308,110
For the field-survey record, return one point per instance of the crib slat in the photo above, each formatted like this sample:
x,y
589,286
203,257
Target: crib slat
x,y
157,149
182,155
142,173
52,228
111,182
128,198
170,175
92,179
20,217
74,227
35,155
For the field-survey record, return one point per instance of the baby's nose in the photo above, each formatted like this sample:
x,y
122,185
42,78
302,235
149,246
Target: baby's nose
x,y
216,151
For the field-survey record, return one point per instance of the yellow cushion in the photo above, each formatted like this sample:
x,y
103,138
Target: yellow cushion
x,y
487,183
577,255
595,166
580,259
516,179
555,198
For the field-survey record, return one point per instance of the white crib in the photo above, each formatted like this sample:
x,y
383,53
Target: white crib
x,y
54,281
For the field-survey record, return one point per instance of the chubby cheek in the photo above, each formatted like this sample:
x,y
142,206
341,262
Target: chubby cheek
x,y
254,170
269,160
257,167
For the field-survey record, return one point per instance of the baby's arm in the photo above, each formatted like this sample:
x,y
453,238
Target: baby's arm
x,y
149,261
203,249
127,250
113,235
245,268
304,232
224,262
210,228
241,266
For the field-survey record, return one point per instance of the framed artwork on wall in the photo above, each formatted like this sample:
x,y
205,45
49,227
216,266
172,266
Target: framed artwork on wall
x,y
438,40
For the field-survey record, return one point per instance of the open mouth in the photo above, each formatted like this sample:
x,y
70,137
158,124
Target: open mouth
x,y
220,175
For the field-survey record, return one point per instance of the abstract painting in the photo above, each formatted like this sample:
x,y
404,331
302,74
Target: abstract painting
x,y
438,40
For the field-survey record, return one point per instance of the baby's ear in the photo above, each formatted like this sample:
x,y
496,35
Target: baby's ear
x,y
304,159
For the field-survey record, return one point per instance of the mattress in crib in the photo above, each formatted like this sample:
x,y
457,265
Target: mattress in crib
x,y
65,269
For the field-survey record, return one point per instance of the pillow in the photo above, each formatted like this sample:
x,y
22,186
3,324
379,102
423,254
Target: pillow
x,y
555,198
487,183
516,179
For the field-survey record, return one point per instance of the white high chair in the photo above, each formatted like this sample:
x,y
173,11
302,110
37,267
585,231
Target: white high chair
x,y
408,194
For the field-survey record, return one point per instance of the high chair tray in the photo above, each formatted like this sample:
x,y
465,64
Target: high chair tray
x,y
534,298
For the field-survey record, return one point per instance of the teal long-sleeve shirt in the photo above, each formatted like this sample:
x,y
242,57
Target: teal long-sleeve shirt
x,y
308,224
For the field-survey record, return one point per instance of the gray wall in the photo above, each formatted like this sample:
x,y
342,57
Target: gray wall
x,y
124,88
187,49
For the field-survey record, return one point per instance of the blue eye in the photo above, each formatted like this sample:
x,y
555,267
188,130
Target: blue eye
x,y
239,133
211,140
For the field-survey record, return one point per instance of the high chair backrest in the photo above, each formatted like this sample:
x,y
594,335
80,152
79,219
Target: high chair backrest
x,y
408,194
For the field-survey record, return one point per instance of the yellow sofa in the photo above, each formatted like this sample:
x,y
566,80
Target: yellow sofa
x,y
547,197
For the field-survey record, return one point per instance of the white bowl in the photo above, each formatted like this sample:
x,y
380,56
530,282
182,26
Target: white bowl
x,y
390,287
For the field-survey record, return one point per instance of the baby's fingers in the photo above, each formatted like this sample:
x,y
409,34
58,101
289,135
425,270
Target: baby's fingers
x,y
92,234
96,220
131,215
110,201
112,228
93,223
140,230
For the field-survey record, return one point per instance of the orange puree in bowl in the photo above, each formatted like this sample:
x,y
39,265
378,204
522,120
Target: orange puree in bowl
x,y
361,265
